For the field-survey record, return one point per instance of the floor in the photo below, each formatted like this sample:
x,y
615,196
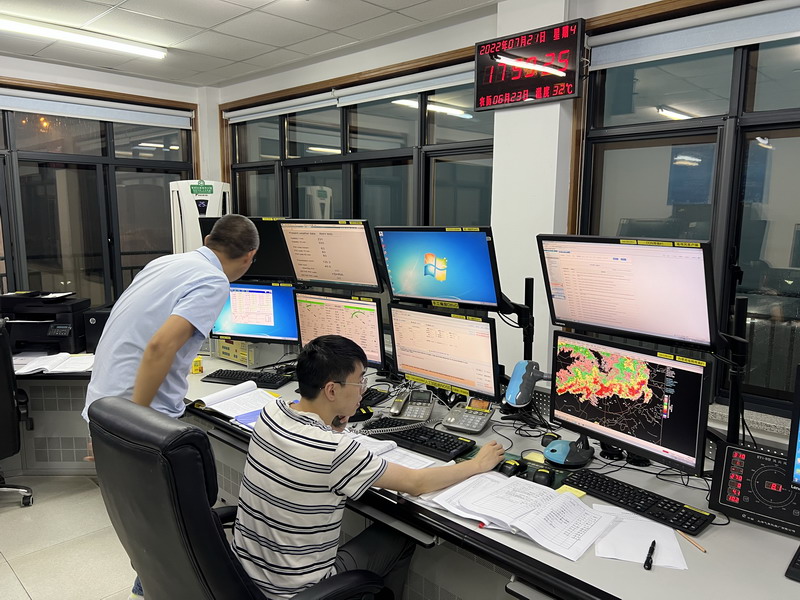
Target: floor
x,y
63,546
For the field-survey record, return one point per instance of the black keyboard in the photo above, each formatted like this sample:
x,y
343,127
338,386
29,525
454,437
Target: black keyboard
x,y
425,440
263,379
653,506
793,572
373,396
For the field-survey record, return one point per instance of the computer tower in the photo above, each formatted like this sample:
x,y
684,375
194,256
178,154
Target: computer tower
x,y
94,320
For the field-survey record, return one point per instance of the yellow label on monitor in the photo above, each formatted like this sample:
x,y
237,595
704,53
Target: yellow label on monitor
x,y
459,317
665,355
426,381
272,218
471,229
224,337
452,228
342,222
444,304
653,243
458,390
687,244
691,361
628,242
478,319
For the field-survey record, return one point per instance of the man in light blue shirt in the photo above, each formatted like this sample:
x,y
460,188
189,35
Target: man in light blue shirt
x,y
159,323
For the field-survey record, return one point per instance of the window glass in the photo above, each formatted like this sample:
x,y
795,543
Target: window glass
x,y
384,124
451,118
258,140
385,193
3,143
769,257
150,143
461,190
654,188
257,192
319,194
51,133
775,70
314,133
143,209
679,88
64,244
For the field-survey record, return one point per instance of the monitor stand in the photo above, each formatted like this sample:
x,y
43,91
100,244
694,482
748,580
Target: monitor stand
x,y
637,461
610,452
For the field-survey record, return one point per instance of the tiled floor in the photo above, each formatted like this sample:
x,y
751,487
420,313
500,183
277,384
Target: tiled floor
x,y
63,547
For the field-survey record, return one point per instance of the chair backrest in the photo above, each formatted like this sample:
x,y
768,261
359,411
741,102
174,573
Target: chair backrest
x,y
9,416
158,482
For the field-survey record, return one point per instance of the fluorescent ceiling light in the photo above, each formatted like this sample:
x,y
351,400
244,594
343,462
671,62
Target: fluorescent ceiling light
x,y
673,113
151,144
763,142
448,110
689,158
324,150
174,147
65,34
522,64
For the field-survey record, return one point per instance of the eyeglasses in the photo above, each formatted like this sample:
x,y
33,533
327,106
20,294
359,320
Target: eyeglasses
x,y
362,382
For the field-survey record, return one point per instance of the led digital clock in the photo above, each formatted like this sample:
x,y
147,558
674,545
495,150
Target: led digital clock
x,y
530,67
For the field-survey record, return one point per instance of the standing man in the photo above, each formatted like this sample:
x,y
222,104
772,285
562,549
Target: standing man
x,y
300,471
159,323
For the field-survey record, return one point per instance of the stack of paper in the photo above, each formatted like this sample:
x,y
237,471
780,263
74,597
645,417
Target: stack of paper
x,y
238,400
56,363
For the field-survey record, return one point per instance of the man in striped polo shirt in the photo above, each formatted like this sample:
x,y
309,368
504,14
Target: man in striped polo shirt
x,y
300,471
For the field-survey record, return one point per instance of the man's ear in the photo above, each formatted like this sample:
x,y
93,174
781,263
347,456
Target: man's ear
x,y
329,389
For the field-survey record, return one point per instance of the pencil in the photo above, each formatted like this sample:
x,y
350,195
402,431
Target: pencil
x,y
691,541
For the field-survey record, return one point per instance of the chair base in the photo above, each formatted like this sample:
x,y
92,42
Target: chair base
x,y
26,492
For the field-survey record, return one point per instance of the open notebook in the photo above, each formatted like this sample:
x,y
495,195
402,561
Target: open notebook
x,y
236,400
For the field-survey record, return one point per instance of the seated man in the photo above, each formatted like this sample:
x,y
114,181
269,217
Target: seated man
x,y
300,471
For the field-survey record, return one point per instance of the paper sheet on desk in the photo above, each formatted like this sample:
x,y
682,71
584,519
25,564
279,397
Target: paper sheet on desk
x,y
630,537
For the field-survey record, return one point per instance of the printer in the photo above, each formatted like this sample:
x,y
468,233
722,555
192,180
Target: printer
x,y
42,321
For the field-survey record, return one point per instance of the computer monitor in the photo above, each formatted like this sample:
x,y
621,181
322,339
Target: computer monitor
x,y
654,405
452,352
358,319
272,262
446,266
659,290
794,438
332,253
258,313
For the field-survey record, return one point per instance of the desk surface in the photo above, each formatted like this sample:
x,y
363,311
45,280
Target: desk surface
x,y
742,560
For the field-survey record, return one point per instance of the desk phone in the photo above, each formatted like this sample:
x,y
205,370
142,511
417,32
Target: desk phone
x,y
414,406
471,416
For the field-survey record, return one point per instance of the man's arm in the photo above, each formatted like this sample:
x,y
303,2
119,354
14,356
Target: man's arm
x,y
158,357
420,481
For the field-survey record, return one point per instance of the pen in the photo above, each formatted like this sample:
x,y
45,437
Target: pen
x,y
648,562
691,541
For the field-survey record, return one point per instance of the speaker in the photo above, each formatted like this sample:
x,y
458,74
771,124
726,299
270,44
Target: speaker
x,y
94,320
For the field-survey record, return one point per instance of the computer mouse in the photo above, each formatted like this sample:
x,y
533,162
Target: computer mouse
x,y
510,467
549,437
543,477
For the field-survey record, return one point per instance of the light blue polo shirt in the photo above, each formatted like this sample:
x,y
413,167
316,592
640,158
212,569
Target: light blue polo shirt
x,y
191,285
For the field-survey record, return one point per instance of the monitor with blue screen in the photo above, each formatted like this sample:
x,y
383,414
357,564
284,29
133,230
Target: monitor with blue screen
x,y
794,438
258,313
441,265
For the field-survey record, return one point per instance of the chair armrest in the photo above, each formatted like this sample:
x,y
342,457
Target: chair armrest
x,y
344,586
226,514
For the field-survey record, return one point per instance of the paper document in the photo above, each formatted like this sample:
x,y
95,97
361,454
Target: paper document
x,y
449,499
23,358
57,363
237,400
630,537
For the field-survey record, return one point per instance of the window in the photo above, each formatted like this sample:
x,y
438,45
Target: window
x,y
51,133
314,133
385,192
150,143
318,193
257,192
385,124
461,190
258,140
451,118
774,66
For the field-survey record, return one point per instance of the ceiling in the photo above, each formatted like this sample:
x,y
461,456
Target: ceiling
x,y
218,42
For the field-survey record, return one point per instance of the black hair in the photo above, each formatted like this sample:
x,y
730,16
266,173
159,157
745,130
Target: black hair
x,y
234,236
327,358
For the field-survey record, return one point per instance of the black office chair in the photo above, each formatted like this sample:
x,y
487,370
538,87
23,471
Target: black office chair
x,y
13,411
159,482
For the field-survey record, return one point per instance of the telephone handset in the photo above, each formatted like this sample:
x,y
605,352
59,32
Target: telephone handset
x,y
417,405
471,416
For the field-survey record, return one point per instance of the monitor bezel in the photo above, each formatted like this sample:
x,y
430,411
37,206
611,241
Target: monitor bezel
x,y
262,259
430,302
794,434
495,397
707,377
256,339
337,284
375,301
705,248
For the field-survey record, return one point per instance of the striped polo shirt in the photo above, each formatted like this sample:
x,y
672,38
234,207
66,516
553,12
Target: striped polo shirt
x,y
298,475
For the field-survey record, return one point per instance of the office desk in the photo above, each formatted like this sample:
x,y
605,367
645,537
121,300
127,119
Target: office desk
x,y
742,560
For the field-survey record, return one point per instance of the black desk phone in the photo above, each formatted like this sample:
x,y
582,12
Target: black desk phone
x,y
471,416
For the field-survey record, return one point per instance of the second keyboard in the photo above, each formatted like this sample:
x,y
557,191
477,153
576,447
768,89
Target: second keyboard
x,y
263,379
425,440
670,512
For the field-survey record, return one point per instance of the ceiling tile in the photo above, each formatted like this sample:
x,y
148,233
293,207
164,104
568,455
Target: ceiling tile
x,y
69,13
251,3
192,61
379,26
224,46
269,29
395,4
155,68
324,42
275,58
324,13
80,55
150,30
204,14
434,9
22,44
222,75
